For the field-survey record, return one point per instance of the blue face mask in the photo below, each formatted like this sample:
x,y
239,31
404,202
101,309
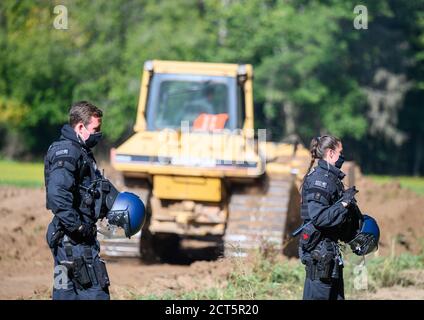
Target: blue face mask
x,y
340,161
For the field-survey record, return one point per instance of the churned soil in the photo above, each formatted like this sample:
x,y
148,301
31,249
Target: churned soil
x,y
26,266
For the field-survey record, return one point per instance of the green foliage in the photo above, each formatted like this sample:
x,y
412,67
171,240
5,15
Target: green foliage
x,y
313,71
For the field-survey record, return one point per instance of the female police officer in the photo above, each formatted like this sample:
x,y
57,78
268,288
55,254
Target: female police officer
x,y
324,209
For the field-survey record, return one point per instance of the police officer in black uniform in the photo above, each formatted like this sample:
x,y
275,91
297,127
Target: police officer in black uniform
x,y
326,212
70,169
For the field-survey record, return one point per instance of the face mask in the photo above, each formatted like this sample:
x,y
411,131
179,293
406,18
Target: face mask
x,y
93,139
339,161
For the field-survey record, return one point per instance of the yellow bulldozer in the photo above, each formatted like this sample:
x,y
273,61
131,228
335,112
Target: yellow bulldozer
x,y
201,168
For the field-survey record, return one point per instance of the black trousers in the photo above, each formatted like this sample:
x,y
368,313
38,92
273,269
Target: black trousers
x,y
316,289
64,288
319,290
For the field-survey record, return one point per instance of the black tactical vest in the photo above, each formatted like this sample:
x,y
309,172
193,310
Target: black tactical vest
x,y
307,188
81,162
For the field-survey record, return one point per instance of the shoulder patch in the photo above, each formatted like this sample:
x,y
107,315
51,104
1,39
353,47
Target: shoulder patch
x,y
62,152
64,148
321,184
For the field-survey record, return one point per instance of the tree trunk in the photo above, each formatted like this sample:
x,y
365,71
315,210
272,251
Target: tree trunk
x,y
289,110
418,155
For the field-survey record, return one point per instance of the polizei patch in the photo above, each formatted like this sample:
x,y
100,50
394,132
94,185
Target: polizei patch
x,y
321,184
62,152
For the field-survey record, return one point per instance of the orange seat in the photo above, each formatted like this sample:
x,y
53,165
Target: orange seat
x,y
210,122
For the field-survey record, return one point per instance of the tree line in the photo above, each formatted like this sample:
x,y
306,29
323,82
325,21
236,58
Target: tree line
x,y
315,72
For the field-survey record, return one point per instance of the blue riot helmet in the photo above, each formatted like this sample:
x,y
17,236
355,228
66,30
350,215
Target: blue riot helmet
x,y
367,239
127,212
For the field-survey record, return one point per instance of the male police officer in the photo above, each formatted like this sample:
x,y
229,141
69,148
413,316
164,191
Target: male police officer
x,y
69,169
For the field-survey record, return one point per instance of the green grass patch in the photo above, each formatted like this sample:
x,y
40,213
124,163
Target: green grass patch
x,y
415,184
381,271
268,278
263,280
21,174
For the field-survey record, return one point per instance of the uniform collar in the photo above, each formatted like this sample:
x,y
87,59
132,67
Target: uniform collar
x,y
69,133
329,167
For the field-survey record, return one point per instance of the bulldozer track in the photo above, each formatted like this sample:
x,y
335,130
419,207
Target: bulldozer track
x,y
256,219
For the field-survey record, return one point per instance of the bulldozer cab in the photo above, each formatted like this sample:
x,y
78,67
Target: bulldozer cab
x,y
201,102
202,96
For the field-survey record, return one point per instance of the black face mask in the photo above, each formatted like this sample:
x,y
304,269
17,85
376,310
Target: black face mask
x,y
93,139
339,161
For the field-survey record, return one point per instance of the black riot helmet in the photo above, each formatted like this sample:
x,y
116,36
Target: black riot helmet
x,y
367,239
127,212
123,209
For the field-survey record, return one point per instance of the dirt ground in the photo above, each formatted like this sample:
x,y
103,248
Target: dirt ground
x,y
26,262
399,213
26,266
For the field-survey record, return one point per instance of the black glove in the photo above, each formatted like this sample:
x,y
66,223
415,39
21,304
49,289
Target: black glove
x,y
349,196
86,231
